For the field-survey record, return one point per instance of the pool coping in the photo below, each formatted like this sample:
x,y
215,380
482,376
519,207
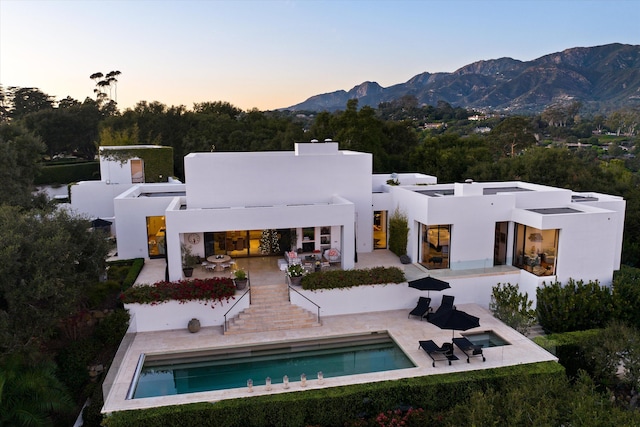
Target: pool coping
x,y
405,332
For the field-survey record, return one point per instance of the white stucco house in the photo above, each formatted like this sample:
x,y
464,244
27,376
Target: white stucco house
x,y
319,197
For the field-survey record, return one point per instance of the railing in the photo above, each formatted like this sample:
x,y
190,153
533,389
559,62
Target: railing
x,y
317,306
226,324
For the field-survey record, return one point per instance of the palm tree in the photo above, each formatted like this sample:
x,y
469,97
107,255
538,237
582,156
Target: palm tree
x,y
30,395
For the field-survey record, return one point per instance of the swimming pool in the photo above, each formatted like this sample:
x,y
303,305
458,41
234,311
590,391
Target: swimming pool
x,y
487,339
163,375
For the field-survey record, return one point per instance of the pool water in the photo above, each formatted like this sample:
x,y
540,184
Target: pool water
x,y
232,370
487,339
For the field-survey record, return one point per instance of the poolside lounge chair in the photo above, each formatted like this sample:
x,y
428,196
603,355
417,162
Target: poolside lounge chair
x,y
422,308
443,353
446,304
468,348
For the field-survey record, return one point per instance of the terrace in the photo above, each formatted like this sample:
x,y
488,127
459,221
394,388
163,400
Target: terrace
x,y
405,332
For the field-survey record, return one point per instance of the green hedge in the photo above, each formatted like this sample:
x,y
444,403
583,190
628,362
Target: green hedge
x,y
626,295
67,173
570,347
574,306
334,406
336,279
135,267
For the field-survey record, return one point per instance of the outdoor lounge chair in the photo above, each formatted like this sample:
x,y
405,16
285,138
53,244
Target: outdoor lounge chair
x,y
443,353
446,304
422,308
469,348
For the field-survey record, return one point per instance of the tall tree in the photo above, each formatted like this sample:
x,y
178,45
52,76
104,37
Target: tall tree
x,y
20,153
512,135
48,260
26,100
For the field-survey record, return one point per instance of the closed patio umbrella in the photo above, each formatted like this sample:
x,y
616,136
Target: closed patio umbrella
x,y
429,283
455,320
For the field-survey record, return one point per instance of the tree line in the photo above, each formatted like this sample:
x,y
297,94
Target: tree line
x,y
50,263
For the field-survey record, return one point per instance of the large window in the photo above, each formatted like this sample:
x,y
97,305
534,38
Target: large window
x,y
535,250
436,246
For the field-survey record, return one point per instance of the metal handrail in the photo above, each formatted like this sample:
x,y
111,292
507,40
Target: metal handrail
x,y
226,324
292,289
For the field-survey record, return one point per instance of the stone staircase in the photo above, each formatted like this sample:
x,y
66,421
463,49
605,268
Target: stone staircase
x,y
271,310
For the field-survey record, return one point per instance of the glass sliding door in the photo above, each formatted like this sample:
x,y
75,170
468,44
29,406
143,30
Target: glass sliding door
x,y
379,229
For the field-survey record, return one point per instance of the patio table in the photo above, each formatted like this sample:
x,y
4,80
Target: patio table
x,y
218,260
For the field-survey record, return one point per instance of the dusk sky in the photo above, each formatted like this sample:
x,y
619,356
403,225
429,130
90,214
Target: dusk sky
x,y
273,54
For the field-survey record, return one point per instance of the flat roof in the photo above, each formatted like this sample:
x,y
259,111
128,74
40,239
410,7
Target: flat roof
x,y
495,190
163,194
555,211
437,193
580,198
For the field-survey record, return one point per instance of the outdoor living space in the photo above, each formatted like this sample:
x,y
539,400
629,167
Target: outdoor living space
x,y
404,331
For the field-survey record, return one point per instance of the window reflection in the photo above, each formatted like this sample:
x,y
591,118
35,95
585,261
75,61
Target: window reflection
x,y
536,250
436,246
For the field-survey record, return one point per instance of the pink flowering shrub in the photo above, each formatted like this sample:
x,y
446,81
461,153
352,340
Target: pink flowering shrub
x,y
212,289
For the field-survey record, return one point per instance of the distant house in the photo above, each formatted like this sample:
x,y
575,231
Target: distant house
x,y
428,126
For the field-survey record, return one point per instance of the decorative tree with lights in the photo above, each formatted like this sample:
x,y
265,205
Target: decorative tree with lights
x,y
269,242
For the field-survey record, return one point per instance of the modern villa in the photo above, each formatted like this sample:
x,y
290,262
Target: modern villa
x,y
318,199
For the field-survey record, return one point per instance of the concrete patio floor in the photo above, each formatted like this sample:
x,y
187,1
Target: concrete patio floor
x,y
406,332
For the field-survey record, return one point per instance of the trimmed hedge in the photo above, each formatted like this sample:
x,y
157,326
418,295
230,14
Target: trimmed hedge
x,y
66,173
334,406
574,306
135,267
569,348
336,279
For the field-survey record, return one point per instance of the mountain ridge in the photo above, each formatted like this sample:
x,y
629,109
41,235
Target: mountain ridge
x,y
602,78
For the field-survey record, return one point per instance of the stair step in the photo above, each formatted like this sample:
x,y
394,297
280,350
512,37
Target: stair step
x,y
271,310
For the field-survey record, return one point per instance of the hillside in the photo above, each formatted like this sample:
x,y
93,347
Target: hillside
x,y
601,77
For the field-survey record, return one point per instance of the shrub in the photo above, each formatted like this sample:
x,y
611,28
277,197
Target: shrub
x,y
212,289
335,279
570,348
100,293
398,232
112,328
72,362
125,271
575,306
626,295
512,307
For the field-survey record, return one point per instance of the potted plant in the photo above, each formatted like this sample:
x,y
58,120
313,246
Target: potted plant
x,y
295,273
188,260
240,279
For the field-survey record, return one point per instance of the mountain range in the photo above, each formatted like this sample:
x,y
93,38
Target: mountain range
x,y
602,78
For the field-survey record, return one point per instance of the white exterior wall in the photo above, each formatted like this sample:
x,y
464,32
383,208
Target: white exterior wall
x,y
315,175
113,172
339,214
131,218
174,315
94,199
